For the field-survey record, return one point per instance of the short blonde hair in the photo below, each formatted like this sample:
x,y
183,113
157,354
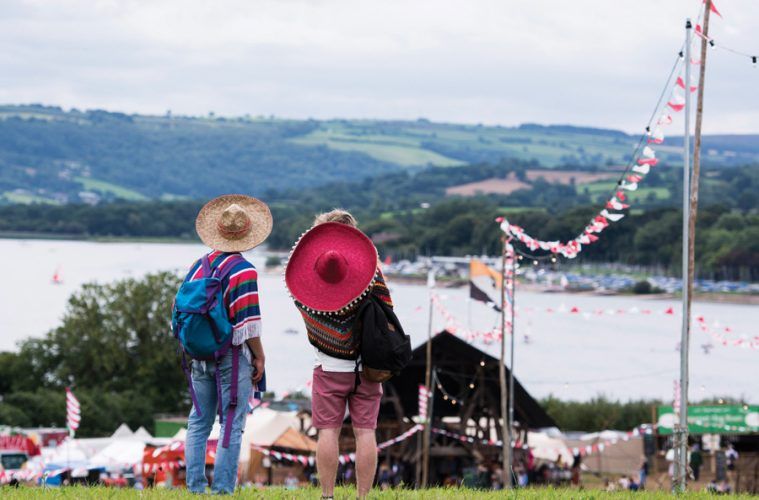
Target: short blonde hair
x,y
336,215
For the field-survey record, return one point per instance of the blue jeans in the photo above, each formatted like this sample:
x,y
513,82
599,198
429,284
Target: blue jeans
x,y
199,426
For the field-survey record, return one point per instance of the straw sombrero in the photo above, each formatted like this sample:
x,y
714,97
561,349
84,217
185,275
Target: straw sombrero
x,y
233,223
331,267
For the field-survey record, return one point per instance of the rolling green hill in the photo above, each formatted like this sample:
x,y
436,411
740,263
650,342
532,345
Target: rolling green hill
x,y
55,156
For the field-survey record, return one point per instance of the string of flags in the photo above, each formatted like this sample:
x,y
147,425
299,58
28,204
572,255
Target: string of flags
x,y
343,458
723,335
643,160
578,450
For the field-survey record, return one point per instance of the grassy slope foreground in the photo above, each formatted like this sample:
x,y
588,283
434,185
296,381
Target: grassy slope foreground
x,y
341,493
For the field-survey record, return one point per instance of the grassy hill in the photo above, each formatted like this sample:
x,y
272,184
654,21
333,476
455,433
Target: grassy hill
x,y
55,156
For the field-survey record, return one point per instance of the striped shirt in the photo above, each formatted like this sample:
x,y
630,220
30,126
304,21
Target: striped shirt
x,y
240,292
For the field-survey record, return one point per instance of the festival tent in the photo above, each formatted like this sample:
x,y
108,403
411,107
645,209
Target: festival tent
x,y
622,455
122,432
120,454
142,434
262,428
547,447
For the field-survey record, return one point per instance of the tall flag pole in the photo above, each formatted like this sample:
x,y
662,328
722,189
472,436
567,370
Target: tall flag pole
x,y
73,412
512,297
505,430
681,448
428,384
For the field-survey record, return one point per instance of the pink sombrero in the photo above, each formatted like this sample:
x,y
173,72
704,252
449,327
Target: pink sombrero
x,y
331,267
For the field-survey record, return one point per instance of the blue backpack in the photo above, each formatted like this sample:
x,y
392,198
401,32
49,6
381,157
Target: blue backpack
x,y
200,322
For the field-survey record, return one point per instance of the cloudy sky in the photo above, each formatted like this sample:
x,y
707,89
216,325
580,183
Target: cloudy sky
x,y
597,63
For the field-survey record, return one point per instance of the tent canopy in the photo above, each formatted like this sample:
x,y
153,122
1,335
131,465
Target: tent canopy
x,y
295,440
122,432
458,364
120,453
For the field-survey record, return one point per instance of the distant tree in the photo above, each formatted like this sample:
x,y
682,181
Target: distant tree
x,y
114,348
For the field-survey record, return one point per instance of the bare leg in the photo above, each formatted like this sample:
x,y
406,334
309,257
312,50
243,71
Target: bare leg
x,y
366,459
326,459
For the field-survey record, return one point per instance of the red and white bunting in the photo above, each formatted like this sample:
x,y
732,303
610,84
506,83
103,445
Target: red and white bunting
x,y
453,326
583,451
681,83
344,458
676,102
424,397
73,411
713,8
724,336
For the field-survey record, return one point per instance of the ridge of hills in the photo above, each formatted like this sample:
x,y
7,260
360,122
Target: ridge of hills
x,y
51,155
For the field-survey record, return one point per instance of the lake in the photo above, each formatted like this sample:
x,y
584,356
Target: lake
x,y
570,355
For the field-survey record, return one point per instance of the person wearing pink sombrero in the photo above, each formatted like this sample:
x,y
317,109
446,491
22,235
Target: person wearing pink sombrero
x,y
331,269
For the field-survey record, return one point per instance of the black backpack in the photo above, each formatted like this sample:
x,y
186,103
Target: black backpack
x,y
385,348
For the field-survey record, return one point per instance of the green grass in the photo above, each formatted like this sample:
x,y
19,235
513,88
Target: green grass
x,y
26,199
106,187
341,493
403,151
604,188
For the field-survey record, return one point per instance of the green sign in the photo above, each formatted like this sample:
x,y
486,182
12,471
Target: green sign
x,y
712,419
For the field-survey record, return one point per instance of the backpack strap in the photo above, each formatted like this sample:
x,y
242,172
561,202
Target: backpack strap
x,y
357,381
231,410
206,265
187,374
223,273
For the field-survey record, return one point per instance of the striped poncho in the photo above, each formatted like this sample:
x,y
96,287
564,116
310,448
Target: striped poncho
x,y
337,334
240,291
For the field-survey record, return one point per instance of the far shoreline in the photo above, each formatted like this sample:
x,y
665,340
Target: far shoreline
x,y
701,297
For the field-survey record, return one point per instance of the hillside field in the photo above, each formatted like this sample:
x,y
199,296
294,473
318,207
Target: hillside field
x,y
48,154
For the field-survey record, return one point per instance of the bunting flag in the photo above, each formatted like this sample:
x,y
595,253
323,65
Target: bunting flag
x,y
580,450
484,284
677,101
344,458
641,164
724,336
424,397
681,83
713,8
73,412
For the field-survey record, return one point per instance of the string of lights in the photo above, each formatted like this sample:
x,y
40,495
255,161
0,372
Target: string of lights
x,y
447,396
714,45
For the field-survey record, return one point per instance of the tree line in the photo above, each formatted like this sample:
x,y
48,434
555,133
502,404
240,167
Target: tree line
x,y
408,214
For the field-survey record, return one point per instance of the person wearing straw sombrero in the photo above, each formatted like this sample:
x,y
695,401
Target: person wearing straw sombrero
x,y
217,320
331,269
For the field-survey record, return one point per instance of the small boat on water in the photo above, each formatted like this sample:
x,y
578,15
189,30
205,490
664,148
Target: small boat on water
x,y
57,278
291,331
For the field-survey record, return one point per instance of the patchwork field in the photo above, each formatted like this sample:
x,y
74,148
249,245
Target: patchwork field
x,y
512,183
488,186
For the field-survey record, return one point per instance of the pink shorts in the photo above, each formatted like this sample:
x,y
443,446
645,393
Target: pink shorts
x,y
330,392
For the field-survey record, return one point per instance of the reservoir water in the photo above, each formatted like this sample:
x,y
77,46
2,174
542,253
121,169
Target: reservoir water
x,y
570,355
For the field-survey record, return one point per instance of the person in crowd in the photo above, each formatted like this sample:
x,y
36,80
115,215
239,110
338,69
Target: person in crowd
x,y
384,477
643,472
576,469
631,484
731,459
696,460
331,268
291,481
229,225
